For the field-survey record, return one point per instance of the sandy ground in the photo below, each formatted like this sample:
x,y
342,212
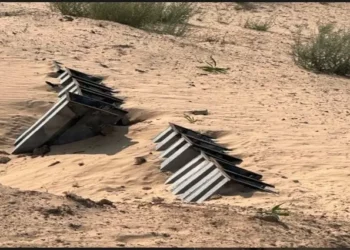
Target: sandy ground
x,y
286,123
41,219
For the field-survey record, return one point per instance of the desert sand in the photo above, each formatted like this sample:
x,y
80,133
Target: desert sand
x,y
286,123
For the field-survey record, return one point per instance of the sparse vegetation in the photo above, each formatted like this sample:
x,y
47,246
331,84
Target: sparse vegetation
x,y
11,13
245,6
212,68
276,212
78,9
328,51
160,17
260,25
191,119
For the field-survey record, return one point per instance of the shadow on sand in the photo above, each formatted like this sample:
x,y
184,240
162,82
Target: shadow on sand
x,y
110,144
236,189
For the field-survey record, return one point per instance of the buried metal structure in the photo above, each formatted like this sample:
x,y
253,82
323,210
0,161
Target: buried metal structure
x,y
92,91
73,118
200,166
66,74
85,107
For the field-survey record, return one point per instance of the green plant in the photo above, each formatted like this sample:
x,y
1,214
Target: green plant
x,y
78,9
260,25
276,212
191,119
328,51
160,17
212,68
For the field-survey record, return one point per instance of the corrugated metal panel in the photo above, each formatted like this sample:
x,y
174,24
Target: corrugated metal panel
x,y
173,148
182,171
167,142
65,121
40,133
184,132
39,121
163,135
63,75
100,96
186,183
69,74
59,119
199,184
75,87
211,191
215,177
179,159
67,89
187,131
201,166
189,173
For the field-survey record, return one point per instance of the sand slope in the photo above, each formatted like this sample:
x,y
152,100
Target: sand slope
x,y
286,123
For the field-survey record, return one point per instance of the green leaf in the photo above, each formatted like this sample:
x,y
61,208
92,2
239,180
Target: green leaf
x,y
275,208
212,58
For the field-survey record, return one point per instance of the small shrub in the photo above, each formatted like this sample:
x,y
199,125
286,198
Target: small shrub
x,y
77,9
245,6
160,17
276,212
11,13
328,51
260,25
212,68
190,119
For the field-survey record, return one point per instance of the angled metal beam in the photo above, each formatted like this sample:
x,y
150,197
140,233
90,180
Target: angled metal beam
x,y
57,105
161,136
217,154
190,135
76,87
62,116
72,73
72,87
188,174
186,182
235,175
57,66
190,131
205,189
179,159
97,87
250,183
200,166
185,169
38,135
190,193
231,166
167,141
103,97
206,142
212,190
173,148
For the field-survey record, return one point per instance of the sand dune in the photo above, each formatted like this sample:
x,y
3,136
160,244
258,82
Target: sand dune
x,y
289,124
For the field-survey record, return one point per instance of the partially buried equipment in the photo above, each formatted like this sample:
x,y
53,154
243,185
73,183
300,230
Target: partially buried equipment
x,y
84,107
200,166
